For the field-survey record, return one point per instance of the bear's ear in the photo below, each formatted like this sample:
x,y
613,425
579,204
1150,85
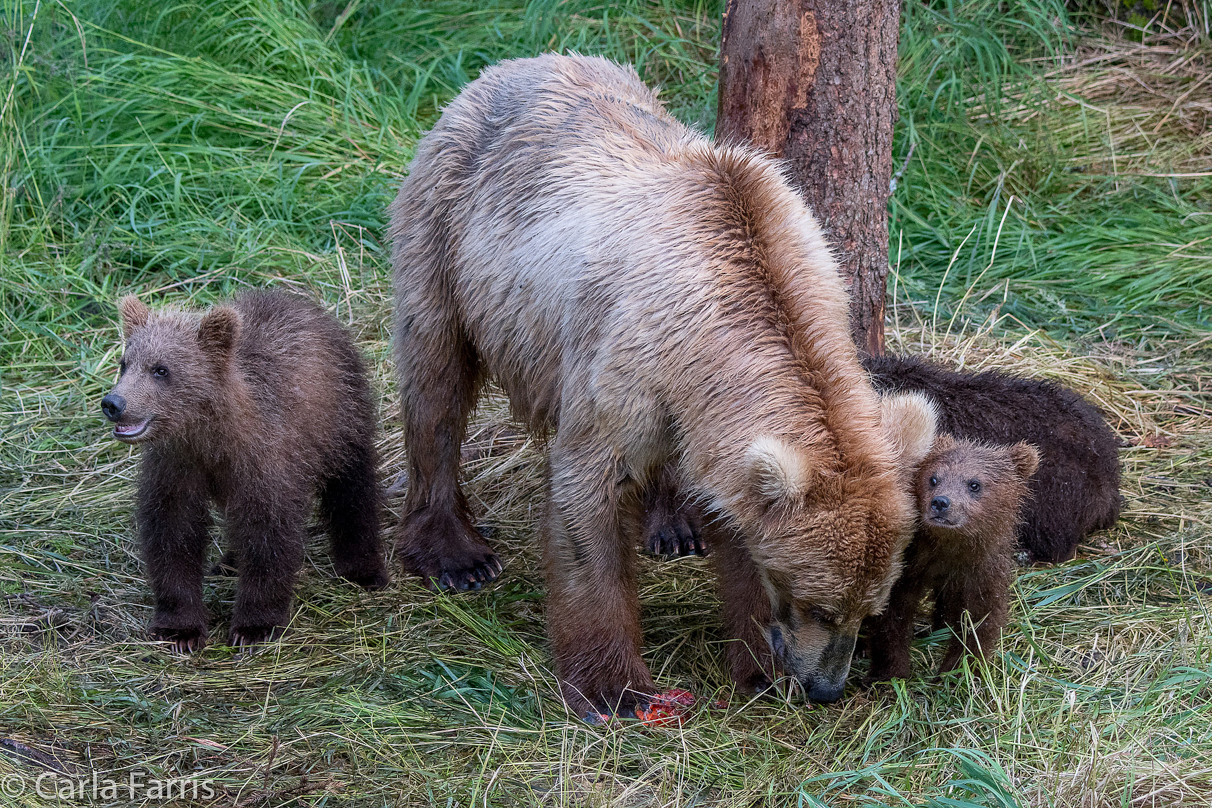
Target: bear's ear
x,y
134,315
1026,459
909,421
217,333
776,468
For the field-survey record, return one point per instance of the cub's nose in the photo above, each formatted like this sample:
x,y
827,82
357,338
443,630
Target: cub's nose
x,y
113,406
939,505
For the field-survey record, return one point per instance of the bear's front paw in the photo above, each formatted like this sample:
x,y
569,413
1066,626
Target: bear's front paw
x,y
445,551
879,675
628,704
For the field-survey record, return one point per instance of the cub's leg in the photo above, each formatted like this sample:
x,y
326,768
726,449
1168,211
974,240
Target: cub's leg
x,y
589,559
673,526
890,634
439,373
349,507
984,595
174,523
265,531
746,607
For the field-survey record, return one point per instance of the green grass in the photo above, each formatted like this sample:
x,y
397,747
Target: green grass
x,y
1053,216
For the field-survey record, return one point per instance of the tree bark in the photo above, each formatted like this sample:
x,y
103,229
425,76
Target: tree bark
x,y
814,83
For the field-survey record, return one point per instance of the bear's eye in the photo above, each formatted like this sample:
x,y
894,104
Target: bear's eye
x,y
160,372
121,366
974,487
824,617
933,481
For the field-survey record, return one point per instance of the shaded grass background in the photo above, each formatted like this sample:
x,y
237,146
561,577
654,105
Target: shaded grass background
x,y
1052,215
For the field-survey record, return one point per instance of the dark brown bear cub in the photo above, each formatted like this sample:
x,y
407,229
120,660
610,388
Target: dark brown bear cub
x,y
969,497
1076,489
257,406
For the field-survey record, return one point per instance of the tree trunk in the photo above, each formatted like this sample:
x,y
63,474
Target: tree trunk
x,y
814,82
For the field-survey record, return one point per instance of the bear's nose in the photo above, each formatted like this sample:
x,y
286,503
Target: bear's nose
x,y
113,406
940,505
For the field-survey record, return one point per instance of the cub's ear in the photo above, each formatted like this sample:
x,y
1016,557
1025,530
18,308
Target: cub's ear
x,y
910,421
217,333
777,469
1026,459
134,315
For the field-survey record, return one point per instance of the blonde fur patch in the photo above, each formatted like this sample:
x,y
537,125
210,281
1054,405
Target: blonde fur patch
x,y
910,421
779,471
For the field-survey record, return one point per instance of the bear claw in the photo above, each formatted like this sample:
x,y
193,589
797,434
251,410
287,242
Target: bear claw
x,y
673,533
181,641
469,578
250,637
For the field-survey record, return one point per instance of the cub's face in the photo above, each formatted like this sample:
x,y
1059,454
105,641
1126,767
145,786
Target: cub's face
x,y
168,371
964,487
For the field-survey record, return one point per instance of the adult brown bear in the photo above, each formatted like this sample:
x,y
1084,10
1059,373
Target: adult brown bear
x,y
645,297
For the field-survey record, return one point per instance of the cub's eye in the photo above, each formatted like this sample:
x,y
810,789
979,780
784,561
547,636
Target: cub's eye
x,y
121,366
933,481
160,372
974,487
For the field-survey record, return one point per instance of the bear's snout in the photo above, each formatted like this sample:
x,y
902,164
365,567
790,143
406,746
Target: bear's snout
x,y
940,505
113,406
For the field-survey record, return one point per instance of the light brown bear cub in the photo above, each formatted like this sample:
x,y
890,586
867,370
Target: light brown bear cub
x,y
257,406
969,497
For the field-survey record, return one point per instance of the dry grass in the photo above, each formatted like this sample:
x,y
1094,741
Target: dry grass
x,y
1101,696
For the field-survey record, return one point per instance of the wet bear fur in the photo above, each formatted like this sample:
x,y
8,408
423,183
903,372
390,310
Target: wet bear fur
x,y
257,406
645,298
1076,489
969,497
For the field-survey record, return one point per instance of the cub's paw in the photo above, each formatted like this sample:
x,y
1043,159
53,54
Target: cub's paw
x,y
629,704
670,531
755,684
181,640
446,552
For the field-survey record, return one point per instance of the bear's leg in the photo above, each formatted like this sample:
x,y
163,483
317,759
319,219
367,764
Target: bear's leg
x,y
439,374
983,594
890,634
266,533
174,530
673,526
592,604
746,607
349,507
